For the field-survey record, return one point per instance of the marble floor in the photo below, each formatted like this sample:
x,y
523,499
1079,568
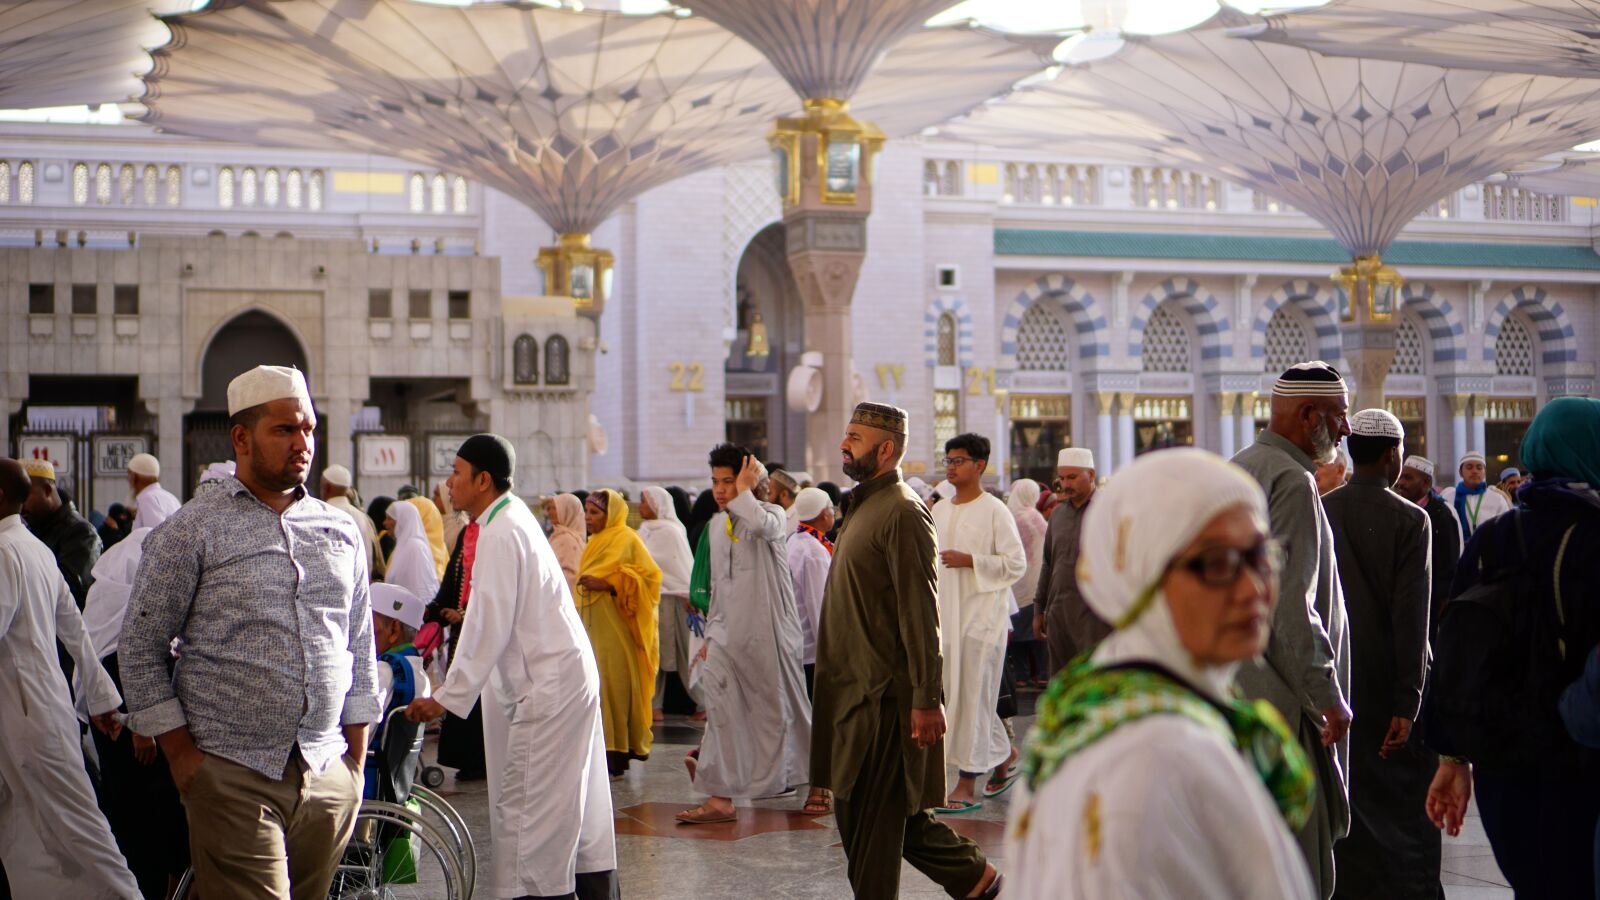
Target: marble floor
x,y
775,852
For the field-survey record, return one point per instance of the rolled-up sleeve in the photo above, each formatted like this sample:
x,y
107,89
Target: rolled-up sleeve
x,y
361,705
163,591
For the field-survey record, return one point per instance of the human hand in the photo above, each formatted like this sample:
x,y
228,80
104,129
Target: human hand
x,y
927,726
955,559
748,476
1399,733
1335,723
425,709
598,585
1038,625
453,616
184,764
108,724
144,749
1448,796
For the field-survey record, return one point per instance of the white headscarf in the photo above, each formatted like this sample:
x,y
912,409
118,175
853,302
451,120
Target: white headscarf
x,y
1024,496
411,563
668,542
1146,514
107,603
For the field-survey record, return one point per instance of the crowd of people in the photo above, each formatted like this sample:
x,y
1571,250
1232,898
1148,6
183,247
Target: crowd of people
x,y
1276,677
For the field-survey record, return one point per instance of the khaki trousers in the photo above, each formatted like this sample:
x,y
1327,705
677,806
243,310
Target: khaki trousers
x,y
252,837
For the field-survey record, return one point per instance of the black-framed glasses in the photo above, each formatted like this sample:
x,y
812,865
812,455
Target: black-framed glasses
x,y
1222,566
949,461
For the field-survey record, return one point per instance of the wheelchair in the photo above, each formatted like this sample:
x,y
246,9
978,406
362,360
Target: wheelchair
x,y
409,844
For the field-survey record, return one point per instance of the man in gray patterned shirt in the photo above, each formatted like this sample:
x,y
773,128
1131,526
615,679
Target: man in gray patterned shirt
x,y
263,718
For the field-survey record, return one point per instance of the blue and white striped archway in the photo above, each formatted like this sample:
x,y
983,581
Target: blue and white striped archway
x,y
1319,305
1210,319
1445,329
957,310
1088,321
1557,338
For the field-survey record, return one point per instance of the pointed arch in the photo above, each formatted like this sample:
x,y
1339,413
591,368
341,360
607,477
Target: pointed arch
x,y
1557,337
957,310
1442,320
1318,305
1210,320
1088,320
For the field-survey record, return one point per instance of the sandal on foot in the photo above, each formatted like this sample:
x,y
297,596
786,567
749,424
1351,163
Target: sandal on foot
x,y
993,890
818,805
996,788
704,815
958,807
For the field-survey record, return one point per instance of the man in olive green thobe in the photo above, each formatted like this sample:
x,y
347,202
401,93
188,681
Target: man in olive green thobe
x,y
878,679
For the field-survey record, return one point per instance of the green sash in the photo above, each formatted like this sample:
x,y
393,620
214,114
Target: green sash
x,y
700,575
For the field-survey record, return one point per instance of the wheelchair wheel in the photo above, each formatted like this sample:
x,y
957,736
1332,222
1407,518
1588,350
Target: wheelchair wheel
x,y
452,825
433,776
373,867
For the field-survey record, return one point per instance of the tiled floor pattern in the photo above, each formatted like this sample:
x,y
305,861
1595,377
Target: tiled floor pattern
x,y
775,852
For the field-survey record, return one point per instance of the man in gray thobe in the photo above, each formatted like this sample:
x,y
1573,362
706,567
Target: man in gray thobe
x,y
751,682
1060,616
1305,671
1382,542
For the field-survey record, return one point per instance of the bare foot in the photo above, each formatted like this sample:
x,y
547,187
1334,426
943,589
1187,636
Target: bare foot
x,y
657,716
990,873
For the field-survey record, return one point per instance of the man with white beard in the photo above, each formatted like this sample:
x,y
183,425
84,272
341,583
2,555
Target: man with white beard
x,y
1305,671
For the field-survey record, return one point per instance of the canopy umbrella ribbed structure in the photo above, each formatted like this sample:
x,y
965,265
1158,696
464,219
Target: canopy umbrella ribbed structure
x,y
71,52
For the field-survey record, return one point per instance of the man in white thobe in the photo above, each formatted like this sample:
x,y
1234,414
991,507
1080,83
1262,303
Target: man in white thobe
x,y
54,842
155,502
981,556
549,794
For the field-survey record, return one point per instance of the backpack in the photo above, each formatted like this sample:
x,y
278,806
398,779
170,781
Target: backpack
x,y
1499,664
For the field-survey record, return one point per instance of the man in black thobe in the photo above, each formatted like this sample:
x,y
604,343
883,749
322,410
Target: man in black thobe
x,y
1416,485
1383,545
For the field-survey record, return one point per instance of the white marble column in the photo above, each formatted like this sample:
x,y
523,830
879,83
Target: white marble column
x,y
1125,440
1458,430
1104,450
1247,420
1228,431
1479,443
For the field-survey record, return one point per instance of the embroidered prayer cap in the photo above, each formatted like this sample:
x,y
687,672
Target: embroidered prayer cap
x,y
1421,464
881,416
1377,423
1309,379
1509,472
145,465
397,603
809,503
264,384
338,476
1075,458
785,479
39,468
1129,543
1471,456
488,452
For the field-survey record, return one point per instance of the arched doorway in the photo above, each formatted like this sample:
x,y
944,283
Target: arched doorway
x,y
252,338
767,346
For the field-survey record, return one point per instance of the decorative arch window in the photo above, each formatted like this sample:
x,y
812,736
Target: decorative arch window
x,y
1010,195
270,185
525,360
1407,349
436,194
1513,348
174,185
249,182
556,359
102,184
458,194
225,188
1030,184
294,188
1287,341
127,184
314,191
947,340
25,182
951,184
1051,194
80,183
1166,343
1087,187
930,178
5,181
416,193
1043,338
150,186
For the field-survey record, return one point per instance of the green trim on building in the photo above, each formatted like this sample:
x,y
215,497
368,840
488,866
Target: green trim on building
x,y
1133,245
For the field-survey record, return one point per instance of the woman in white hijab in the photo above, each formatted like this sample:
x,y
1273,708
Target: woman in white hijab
x,y
668,542
1027,650
411,563
1145,776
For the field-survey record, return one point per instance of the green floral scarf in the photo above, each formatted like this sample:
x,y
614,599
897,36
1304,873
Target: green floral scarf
x,y
1085,703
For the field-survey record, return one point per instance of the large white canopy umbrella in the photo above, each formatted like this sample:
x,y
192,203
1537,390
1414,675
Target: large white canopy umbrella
x,y
72,52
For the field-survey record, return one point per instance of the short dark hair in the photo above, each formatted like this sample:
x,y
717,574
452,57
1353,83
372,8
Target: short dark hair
x,y
728,456
1366,449
976,445
500,484
247,418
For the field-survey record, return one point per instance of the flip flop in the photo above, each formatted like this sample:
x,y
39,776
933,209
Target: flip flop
x,y
958,807
701,815
994,887
990,791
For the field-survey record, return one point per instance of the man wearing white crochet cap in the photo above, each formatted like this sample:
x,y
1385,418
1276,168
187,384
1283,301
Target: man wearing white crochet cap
x,y
1060,615
337,488
1383,544
1416,485
1305,671
264,725
1473,502
155,502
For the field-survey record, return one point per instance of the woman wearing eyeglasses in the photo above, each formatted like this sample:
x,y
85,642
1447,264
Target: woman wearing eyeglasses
x,y
1146,775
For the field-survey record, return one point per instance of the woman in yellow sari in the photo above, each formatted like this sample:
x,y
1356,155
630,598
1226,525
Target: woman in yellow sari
x,y
433,526
619,588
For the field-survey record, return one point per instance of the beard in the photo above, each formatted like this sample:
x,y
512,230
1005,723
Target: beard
x,y
1324,449
859,470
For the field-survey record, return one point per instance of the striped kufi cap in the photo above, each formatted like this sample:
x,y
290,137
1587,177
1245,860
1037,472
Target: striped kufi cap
x,y
1309,379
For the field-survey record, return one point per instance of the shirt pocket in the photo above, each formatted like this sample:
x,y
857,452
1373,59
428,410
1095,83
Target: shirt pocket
x,y
328,567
